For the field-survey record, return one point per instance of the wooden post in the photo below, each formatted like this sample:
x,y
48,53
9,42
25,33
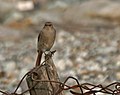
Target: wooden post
x,y
45,72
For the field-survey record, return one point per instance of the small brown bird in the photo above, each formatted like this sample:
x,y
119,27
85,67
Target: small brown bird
x,y
46,40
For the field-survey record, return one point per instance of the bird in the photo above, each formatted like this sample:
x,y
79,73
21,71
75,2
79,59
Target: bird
x,y
46,39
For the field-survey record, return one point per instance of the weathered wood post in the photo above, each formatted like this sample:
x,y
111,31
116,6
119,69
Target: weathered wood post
x,y
38,80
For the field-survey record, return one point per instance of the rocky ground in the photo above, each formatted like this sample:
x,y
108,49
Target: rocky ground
x,y
87,42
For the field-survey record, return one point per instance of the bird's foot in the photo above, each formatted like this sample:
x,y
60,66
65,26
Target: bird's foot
x,y
49,52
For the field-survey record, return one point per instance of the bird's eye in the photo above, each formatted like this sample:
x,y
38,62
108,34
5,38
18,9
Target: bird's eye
x,y
50,25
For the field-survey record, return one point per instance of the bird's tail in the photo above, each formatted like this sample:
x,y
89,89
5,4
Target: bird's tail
x,y
39,57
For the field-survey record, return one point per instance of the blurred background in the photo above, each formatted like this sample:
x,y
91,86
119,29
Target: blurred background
x,y
87,42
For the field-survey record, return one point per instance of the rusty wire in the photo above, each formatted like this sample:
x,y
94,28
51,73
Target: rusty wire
x,y
82,89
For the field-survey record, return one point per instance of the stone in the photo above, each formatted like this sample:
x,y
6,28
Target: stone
x,y
2,58
118,75
10,66
61,65
25,5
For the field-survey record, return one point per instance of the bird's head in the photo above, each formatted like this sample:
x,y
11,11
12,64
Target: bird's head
x,y
48,24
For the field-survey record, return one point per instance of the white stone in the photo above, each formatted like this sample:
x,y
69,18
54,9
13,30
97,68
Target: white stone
x,y
118,63
2,58
10,66
25,5
61,65
118,75
69,63
79,60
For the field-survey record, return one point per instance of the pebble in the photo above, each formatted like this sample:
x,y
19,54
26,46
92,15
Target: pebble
x,y
118,63
57,4
10,66
118,75
14,16
107,50
79,60
61,65
102,59
25,5
27,60
2,58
